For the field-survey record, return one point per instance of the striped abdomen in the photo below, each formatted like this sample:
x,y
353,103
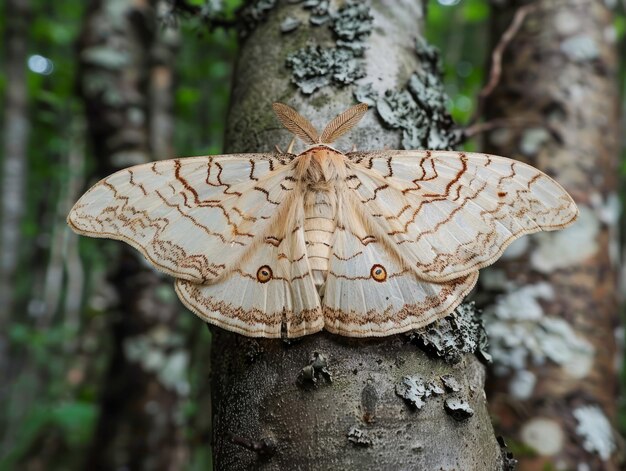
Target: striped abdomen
x,y
319,225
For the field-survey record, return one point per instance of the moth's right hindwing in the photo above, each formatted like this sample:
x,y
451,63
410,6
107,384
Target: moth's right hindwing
x,y
369,292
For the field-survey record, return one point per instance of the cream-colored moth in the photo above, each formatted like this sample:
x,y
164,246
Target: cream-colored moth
x,y
360,243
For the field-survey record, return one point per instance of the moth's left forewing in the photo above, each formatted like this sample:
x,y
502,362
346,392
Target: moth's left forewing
x,y
191,218
450,213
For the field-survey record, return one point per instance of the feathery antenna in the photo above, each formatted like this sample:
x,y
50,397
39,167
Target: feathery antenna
x,y
302,127
296,123
343,123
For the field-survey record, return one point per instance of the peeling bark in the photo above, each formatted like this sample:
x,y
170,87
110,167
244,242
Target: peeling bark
x,y
327,402
121,83
555,312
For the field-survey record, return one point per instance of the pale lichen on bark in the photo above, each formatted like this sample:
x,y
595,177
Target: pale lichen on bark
x,y
314,66
419,110
453,336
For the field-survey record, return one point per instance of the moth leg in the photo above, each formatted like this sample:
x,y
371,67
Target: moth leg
x,y
278,149
353,148
290,147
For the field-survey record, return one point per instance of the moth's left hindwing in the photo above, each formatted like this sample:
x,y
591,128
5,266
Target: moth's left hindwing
x,y
271,292
212,220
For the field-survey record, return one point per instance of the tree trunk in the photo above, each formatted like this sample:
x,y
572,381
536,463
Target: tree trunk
x,y
13,202
122,83
553,321
14,152
328,402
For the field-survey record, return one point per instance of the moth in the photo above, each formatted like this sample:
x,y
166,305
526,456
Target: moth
x,y
359,243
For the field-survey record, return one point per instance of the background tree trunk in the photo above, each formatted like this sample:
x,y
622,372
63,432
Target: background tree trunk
x,y
126,84
553,321
16,127
263,399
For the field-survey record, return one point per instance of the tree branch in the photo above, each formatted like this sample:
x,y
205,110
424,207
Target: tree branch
x,y
496,60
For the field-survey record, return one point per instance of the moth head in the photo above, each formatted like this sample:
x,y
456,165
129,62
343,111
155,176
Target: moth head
x,y
302,127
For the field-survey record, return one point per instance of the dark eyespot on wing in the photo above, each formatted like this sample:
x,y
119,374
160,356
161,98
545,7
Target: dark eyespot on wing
x,y
264,274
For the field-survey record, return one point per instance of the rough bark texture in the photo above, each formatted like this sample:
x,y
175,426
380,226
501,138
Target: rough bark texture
x,y
278,398
122,83
553,320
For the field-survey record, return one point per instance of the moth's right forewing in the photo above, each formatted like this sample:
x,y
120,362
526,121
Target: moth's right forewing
x,y
448,214
191,218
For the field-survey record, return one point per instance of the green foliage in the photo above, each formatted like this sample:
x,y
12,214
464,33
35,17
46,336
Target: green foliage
x,y
520,449
74,421
460,32
205,67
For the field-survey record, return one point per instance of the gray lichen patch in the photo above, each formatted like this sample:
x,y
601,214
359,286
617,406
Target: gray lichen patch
x,y
352,25
289,24
455,335
581,48
608,209
450,383
161,353
568,247
317,369
366,94
595,430
458,409
520,334
320,11
254,13
532,140
419,110
398,110
314,66
359,437
414,390
543,435
105,57
509,463
522,384
428,55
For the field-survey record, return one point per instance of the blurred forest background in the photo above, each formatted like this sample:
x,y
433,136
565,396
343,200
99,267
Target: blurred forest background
x,y
61,344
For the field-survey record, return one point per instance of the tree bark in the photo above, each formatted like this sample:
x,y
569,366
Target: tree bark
x,y
12,203
327,402
552,323
16,130
122,83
